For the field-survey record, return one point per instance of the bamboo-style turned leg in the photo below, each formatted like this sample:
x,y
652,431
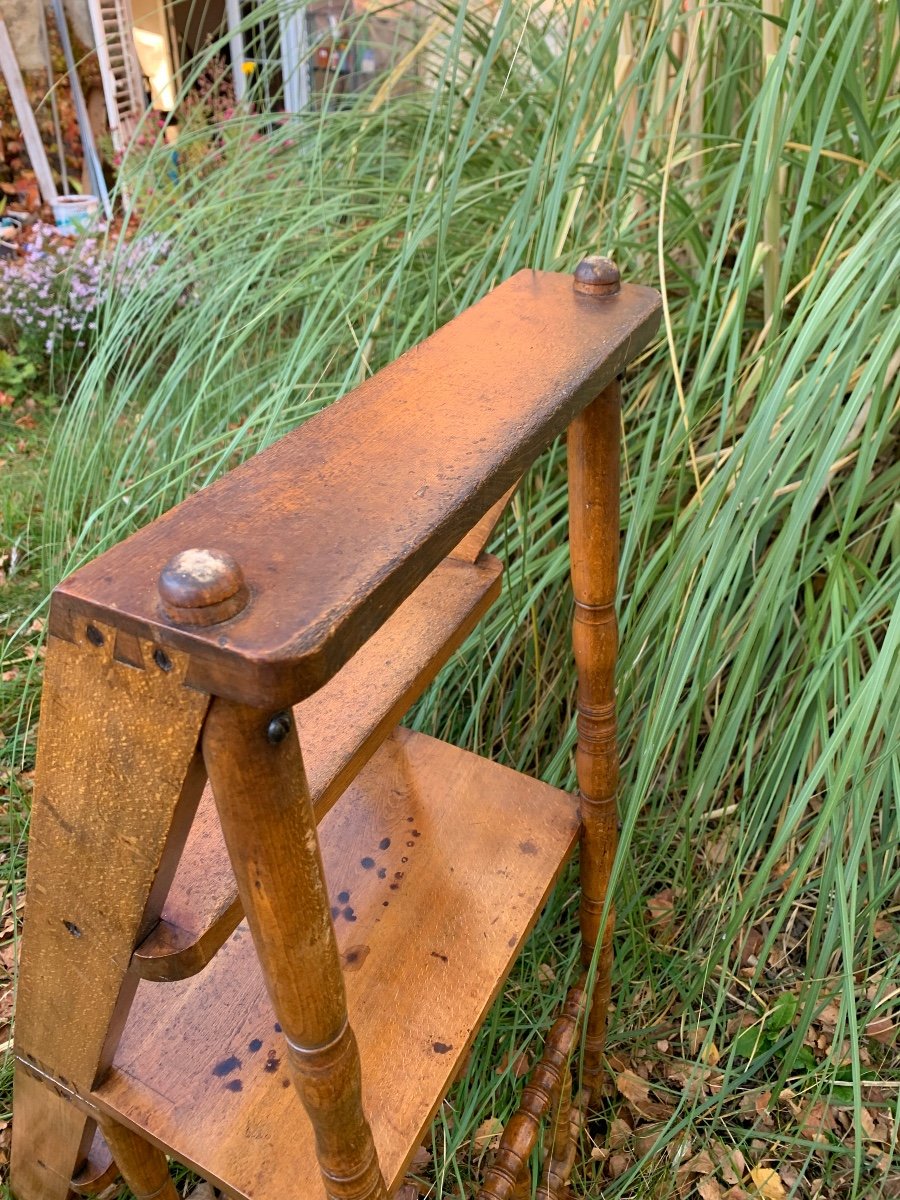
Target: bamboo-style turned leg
x,y
593,453
143,1167
509,1170
561,1144
256,769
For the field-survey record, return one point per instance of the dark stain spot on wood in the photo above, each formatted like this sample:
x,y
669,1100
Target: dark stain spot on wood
x,y
528,847
349,914
335,913
277,1027
398,874
409,845
441,1047
404,860
395,887
255,1045
367,863
354,957
382,872
273,1062
234,1085
343,897
511,942
410,819
384,843
437,954
226,1066
285,1083
385,903
416,833
72,928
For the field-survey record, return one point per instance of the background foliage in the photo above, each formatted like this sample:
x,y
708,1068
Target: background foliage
x,y
743,159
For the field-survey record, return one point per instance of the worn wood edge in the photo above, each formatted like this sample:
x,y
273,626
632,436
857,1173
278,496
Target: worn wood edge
x,y
473,544
297,667
170,952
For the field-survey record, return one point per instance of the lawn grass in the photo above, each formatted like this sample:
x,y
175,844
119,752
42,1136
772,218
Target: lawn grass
x,y
758,934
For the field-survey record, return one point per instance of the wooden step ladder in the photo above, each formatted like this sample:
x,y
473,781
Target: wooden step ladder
x,y
251,959
112,24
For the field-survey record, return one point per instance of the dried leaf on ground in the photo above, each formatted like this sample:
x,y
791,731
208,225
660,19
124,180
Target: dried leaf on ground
x,y
767,1183
632,1087
487,1135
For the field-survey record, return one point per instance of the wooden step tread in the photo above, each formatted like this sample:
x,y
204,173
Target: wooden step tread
x,y
438,863
336,523
340,727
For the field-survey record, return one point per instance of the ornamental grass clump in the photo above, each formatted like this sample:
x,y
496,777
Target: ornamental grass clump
x,y
742,158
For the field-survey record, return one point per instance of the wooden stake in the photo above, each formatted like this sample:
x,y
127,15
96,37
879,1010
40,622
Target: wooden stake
x,y
33,144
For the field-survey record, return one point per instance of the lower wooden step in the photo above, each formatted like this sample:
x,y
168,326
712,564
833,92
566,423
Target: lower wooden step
x,y
438,863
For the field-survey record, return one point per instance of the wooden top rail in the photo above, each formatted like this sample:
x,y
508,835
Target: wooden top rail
x,y
332,527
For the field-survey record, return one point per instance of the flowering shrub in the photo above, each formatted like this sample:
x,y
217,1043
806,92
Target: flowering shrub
x,y
50,298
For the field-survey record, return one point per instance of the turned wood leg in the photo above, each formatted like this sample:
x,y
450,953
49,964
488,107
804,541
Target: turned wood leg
x,y
593,453
99,862
561,1144
257,774
141,1164
508,1178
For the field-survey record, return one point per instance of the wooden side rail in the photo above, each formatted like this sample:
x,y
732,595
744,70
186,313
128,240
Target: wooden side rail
x,y
403,467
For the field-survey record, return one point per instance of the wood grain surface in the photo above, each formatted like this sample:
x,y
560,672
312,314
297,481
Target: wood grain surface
x,y
335,524
438,863
102,850
340,727
593,456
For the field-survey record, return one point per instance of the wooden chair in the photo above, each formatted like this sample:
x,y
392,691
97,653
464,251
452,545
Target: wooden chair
x,y
203,961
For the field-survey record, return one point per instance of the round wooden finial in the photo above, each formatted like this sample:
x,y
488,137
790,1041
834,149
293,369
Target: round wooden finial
x,y
202,587
596,276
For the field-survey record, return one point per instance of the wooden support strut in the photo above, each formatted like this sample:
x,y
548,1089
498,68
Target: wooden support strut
x,y
256,769
507,1177
143,1166
593,452
140,722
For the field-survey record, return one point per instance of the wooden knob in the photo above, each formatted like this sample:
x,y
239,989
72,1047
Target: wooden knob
x,y
596,276
202,587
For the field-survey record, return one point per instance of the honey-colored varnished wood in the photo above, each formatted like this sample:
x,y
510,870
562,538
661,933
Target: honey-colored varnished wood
x,y
95,833
508,1175
341,725
98,1170
250,756
142,1165
52,1135
473,544
438,863
593,454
